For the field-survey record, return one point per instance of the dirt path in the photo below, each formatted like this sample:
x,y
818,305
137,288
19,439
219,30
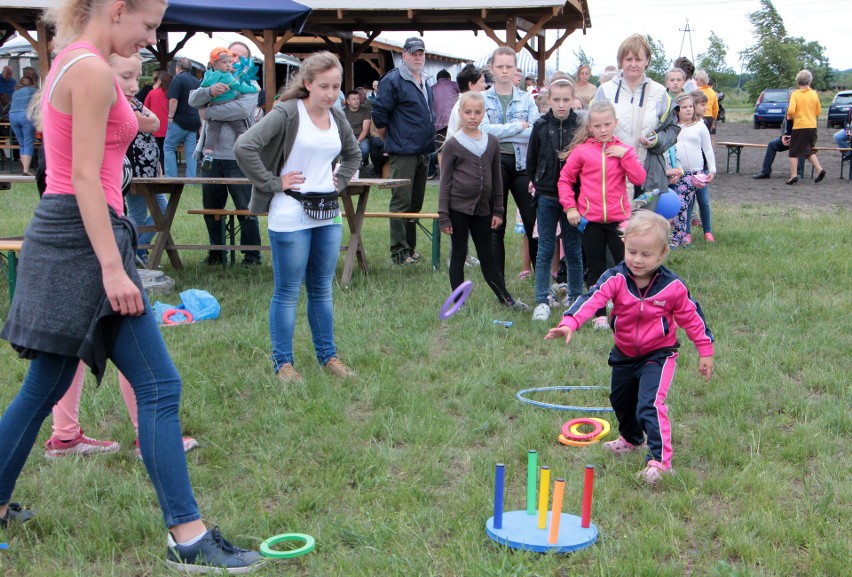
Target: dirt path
x,y
742,189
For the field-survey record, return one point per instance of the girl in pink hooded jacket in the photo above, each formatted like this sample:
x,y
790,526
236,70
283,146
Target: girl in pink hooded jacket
x,y
599,162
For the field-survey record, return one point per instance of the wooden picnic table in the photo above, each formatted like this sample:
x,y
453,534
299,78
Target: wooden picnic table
x,y
173,187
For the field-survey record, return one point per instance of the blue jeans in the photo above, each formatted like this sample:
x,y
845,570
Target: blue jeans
x,y
840,138
216,196
140,353
774,147
308,256
364,145
174,136
548,214
24,131
137,210
702,195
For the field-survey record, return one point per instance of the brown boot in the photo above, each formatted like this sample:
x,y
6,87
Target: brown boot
x,y
287,374
336,367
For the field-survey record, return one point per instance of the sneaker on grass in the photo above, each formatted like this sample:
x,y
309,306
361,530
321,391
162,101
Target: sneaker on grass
x,y
601,324
188,444
212,554
541,312
81,445
16,515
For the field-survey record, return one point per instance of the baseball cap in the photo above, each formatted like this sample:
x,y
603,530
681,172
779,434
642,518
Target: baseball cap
x,y
217,53
414,44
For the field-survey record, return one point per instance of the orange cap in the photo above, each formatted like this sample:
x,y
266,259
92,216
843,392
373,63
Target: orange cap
x,y
217,52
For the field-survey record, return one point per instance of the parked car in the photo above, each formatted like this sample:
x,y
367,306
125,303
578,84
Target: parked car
x,y
839,106
771,107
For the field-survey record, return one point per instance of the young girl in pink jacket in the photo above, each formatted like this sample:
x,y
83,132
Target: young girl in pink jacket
x,y
601,164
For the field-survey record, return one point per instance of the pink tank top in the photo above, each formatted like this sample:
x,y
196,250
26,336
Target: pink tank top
x,y
121,129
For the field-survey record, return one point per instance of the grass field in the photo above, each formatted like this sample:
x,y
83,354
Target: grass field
x,y
393,473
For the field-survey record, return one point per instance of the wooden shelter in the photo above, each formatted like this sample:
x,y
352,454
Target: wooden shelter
x,y
522,22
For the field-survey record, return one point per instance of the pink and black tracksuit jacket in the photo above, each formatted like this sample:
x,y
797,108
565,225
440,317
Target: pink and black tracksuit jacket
x,y
644,323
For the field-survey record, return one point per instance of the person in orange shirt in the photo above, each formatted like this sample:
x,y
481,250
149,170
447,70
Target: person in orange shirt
x,y
802,114
712,111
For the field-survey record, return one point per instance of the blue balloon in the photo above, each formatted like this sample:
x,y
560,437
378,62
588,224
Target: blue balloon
x,y
668,205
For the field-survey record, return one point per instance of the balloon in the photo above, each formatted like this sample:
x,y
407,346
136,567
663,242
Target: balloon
x,y
668,205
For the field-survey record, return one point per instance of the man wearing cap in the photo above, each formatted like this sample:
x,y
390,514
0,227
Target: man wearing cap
x,y
404,117
184,121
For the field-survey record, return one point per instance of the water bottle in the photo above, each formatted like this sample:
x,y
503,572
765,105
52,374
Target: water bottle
x,y
506,324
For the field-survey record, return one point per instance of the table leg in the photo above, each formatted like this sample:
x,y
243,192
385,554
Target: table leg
x,y
163,223
436,244
355,219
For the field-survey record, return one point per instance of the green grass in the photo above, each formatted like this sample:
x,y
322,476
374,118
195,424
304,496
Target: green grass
x,y
393,473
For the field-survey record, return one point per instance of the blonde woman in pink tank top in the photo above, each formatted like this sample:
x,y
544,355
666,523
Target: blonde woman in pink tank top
x,y
79,240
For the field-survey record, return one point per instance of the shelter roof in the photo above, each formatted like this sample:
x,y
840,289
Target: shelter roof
x,y
389,15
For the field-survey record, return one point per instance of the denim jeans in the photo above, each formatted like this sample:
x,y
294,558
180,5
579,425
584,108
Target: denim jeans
x,y
137,210
216,196
140,353
24,131
702,196
774,147
364,145
549,213
308,256
174,136
840,139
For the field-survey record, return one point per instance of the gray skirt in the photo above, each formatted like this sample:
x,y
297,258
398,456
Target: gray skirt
x,y
60,305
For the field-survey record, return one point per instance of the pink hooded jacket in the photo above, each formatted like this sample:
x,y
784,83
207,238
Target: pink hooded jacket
x,y
603,190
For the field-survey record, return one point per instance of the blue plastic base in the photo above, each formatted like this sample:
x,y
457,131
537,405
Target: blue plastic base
x,y
520,531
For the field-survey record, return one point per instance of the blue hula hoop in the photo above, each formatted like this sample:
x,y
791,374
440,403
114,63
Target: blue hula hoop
x,y
520,396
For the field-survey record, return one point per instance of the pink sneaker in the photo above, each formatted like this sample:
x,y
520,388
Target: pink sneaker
x,y
82,445
687,240
653,472
695,222
708,236
188,444
620,446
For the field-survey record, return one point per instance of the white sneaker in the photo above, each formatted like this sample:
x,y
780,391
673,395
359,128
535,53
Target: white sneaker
x,y
541,312
471,261
568,301
601,324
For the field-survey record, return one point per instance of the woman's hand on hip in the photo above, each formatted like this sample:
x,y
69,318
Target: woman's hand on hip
x,y
292,180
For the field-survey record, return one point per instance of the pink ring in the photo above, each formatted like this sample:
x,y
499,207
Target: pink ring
x,y
566,429
167,317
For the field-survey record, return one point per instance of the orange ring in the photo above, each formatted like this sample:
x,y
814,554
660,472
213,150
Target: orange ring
x,y
167,317
566,441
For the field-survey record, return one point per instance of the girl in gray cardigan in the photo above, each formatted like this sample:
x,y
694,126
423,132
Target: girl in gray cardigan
x,y
467,202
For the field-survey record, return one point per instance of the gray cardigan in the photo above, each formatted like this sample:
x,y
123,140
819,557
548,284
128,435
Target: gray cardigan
x,y
263,148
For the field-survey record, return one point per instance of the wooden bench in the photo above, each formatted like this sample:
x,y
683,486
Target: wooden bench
x,y
735,149
230,227
10,249
434,234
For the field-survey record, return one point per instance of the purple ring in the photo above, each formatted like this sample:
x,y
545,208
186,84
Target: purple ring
x,y
455,301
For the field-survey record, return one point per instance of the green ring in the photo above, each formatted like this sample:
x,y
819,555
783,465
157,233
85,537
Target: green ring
x,y
309,545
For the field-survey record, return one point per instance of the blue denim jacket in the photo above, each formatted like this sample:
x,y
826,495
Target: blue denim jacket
x,y
521,108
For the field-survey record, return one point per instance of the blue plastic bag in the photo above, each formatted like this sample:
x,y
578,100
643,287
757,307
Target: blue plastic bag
x,y
200,304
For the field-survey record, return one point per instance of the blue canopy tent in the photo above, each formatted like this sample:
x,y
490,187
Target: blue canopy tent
x,y
267,23
231,16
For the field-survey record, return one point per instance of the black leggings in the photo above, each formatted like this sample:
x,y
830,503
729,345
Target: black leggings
x,y
596,238
518,182
479,228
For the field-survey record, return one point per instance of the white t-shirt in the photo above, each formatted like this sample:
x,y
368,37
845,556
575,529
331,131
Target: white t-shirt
x,y
313,153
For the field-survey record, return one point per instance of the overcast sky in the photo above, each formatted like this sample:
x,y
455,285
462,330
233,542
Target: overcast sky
x,y
826,21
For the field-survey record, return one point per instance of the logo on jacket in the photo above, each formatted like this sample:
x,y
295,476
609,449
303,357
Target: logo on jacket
x,y
659,303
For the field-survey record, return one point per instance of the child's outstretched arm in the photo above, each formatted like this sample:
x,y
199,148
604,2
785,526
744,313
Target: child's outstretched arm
x,y
560,331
